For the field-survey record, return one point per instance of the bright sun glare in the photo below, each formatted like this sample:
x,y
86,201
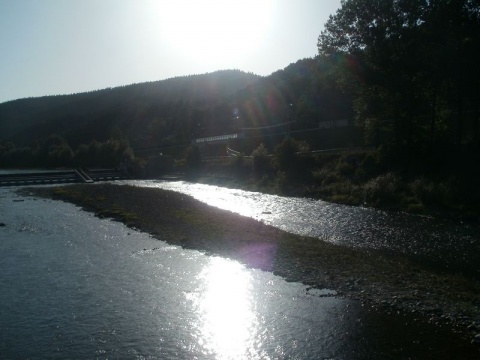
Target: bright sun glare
x,y
214,32
229,322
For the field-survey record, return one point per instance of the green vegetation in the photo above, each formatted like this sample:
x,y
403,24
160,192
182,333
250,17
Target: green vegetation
x,y
364,177
163,114
55,152
400,77
193,162
410,66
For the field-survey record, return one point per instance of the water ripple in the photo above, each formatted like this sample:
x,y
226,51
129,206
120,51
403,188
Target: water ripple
x,y
432,241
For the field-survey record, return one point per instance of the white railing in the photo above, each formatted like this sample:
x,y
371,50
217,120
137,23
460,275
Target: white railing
x,y
216,138
231,152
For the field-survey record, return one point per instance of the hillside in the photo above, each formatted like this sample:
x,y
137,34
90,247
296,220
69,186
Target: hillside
x,y
142,112
168,114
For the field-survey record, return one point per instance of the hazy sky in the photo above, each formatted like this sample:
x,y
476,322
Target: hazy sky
x,y
50,47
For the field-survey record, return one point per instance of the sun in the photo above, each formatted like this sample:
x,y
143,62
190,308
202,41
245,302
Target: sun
x,y
215,32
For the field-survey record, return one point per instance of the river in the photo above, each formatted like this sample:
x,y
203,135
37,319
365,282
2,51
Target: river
x,y
450,245
75,286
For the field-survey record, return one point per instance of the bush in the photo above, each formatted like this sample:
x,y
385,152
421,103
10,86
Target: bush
x,y
346,166
282,185
423,190
382,190
193,161
239,166
287,160
285,154
261,161
326,177
429,193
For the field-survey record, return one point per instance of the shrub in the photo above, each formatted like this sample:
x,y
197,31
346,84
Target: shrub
x,y
423,190
193,161
287,160
346,166
285,154
282,184
239,166
382,190
261,161
429,192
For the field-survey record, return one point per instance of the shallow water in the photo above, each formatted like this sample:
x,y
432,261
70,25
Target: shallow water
x,y
75,286
453,246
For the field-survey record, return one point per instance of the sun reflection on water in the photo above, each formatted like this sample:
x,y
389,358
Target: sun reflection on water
x,y
228,324
226,200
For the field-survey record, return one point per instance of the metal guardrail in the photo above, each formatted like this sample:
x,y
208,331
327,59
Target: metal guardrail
x,y
232,152
336,150
83,176
59,177
38,178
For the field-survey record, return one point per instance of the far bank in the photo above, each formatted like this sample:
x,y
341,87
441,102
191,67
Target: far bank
x,y
434,183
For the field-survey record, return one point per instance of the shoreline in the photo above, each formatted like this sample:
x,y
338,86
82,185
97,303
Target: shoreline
x,y
342,199
392,283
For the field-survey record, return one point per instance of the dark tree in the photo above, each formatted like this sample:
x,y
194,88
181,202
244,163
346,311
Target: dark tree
x,y
415,71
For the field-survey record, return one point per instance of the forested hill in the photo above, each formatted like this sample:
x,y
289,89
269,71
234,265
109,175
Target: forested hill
x,y
74,129
141,112
404,73
168,114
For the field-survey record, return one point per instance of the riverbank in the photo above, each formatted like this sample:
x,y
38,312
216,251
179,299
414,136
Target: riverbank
x,y
392,283
370,178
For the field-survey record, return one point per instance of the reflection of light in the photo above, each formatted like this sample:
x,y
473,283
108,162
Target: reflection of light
x,y
226,307
225,200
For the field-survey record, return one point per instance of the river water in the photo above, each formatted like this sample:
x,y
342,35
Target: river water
x,y
75,286
450,245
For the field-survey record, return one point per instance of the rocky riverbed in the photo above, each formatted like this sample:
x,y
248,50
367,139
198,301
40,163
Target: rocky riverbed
x,y
391,283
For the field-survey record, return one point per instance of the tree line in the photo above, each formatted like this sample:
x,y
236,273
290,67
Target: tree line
x,y
405,70
411,67
56,152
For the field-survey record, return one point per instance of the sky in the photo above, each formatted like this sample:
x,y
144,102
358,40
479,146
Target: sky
x,y
52,47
